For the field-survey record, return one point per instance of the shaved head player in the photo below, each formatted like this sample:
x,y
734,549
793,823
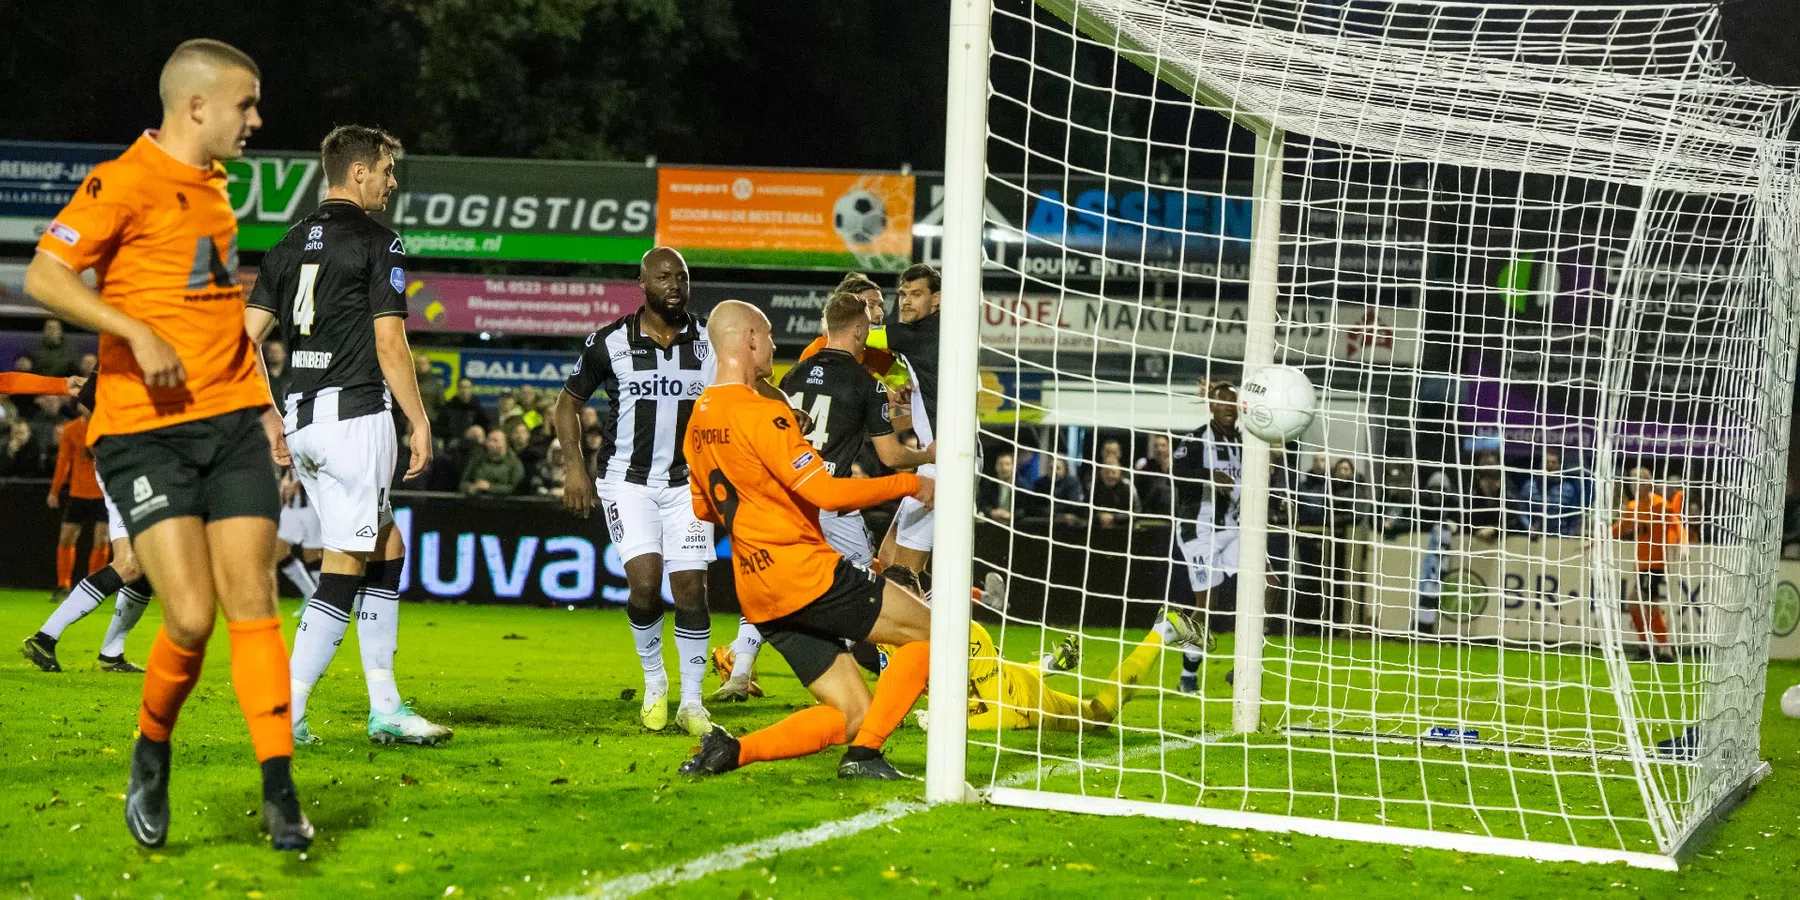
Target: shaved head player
x,y
753,473
184,428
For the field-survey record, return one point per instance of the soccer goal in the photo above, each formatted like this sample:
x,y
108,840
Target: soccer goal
x,y
1511,592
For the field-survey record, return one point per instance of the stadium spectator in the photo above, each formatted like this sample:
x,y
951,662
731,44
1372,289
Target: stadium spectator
x,y
1555,499
456,414
1398,514
590,418
1484,510
431,387
995,495
53,356
23,364
548,481
1113,497
1352,498
506,409
1312,497
89,362
1155,484
20,457
521,442
1064,491
593,445
531,407
495,471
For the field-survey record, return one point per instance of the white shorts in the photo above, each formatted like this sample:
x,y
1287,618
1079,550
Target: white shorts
x,y
1212,556
300,526
346,467
913,524
115,523
847,534
642,519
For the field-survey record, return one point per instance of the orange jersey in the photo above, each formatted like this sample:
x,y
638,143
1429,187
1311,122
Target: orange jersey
x,y
162,239
27,383
1655,525
75,463
878,362
752,472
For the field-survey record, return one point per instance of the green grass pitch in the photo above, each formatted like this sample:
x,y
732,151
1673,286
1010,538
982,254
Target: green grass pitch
x,y
552,789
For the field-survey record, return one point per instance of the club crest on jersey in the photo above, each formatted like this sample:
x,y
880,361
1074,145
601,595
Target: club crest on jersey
x,y
64,233
702,350
397,247
397,278
803,460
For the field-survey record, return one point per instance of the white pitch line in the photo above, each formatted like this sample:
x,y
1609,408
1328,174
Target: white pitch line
x,y
740,855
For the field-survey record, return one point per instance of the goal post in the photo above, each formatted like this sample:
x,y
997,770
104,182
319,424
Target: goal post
x,y
965,176
1511,593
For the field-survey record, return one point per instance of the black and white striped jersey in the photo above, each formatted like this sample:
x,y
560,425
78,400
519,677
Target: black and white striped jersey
x,y
1197,455
326,282
652,390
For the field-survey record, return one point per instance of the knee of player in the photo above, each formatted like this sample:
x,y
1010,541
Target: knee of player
x,y
853,708
127,568
189,625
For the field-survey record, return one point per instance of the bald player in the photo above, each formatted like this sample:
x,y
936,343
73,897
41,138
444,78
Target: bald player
x,y
753,472
184,429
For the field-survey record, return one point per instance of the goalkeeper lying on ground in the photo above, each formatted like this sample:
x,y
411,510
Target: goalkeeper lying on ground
x,y
1004,694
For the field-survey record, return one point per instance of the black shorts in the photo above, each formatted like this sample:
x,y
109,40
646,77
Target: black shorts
x,y
812,637
1650,586
215,468
84,511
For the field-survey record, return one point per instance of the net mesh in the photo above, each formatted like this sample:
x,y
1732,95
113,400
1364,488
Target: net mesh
x,y
1540,263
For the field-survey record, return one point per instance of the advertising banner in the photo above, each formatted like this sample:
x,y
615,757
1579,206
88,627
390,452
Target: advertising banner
x,y
1214,329
506,305
37,180
503,209
496,371
793,309
787,218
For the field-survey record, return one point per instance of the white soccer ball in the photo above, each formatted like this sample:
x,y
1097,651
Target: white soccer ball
x,y
1790,702
1277,403
859,217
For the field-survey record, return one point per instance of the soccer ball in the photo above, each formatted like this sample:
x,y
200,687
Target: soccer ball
x,y
859,217
1790,702
1277,403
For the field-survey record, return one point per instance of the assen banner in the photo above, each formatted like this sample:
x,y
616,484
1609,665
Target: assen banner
x,y
787,219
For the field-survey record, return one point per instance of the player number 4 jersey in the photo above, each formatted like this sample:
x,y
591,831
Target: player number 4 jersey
x,y
846,404
326,282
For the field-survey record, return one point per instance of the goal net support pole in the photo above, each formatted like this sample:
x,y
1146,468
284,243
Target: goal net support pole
x,y
1253,513
953,554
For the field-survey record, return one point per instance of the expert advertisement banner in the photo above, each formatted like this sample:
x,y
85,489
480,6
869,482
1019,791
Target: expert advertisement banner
x,y
787,218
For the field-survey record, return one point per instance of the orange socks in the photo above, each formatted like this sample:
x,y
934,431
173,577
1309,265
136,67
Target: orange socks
x,y
1658,631
169,674
899,688
65,566
99,557
805,732
259,673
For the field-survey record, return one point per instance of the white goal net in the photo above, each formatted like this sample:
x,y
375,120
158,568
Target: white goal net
x,y
1511,591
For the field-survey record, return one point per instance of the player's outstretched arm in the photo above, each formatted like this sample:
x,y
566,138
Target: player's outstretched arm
x,y
27,383
59,288
394,353
896,455
578,490
793,462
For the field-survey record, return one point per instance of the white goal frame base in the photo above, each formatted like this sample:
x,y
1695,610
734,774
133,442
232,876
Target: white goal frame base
x,y
1365,832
